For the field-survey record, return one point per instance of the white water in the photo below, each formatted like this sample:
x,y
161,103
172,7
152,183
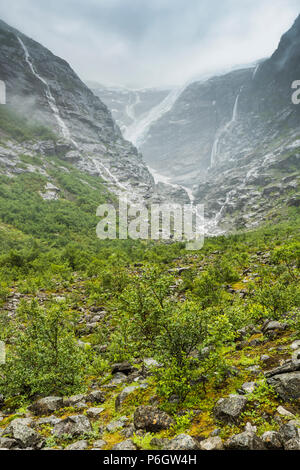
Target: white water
x,y
136,133
50,98
224,130
109,176
255,71
130,108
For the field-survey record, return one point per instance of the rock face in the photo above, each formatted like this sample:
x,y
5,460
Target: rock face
x,y
129,108
233,139
229,409
44,87
151,419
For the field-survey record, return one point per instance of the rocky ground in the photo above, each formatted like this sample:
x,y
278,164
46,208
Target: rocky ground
x,y
122,411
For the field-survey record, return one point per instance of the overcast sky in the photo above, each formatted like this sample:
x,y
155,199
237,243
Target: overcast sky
x,y
145,43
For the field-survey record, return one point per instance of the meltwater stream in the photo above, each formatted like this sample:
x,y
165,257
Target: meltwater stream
x,y
224,130
50,98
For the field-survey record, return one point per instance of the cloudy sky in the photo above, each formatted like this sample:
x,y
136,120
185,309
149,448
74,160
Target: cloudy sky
x,y
145,43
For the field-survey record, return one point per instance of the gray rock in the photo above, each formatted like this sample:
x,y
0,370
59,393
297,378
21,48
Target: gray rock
x,y
274,325
212,443
99,444
79,445
73,426
94,413
159,443
283,412
50,420
244,441
7,443
292,444
288,431
272,440
124,367
117,424
151,419
182,442
47,405
248,387
74,401
23,435
97,396
125,445
118,378
229,409
287,386
295,345
124,394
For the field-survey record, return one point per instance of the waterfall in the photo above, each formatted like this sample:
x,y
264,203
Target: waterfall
x,y
255,71
110,177
224,130
136,133
50,98
130,107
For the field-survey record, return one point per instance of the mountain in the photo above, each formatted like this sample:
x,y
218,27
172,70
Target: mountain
x,y
234,140
45,89
128,107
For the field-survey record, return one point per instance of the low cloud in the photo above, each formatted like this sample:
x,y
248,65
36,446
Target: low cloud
x,y
137,43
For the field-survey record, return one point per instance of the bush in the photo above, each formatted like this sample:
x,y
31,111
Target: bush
x,y
45,358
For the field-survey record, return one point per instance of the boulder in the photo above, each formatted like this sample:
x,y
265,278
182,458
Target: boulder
x,y
99,444
182,442
287,386
244,441
229,409
125,445
97,396
117,424
23,435
212,443
79,445
73,426
151,419
272,440
274,325
124,367
292,444
126,392
47,405
94,413
7,443
288,431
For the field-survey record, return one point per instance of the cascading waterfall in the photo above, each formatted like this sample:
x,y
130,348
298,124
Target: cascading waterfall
x,y
224,130
50,98
130,111
137,131
255,71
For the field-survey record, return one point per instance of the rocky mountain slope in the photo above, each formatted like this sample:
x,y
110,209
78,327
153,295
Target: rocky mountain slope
x,y
241,388
234,139
45,88
128,107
